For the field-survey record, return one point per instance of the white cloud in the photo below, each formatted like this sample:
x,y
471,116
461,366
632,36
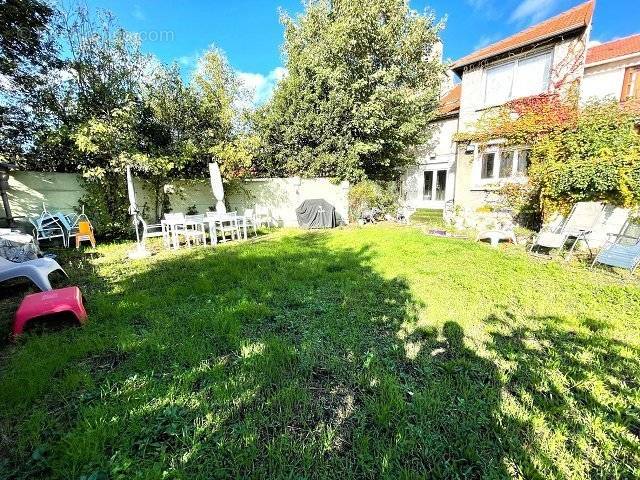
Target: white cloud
x,y
261,86
531,11
593,43
138,13
188,60
484,41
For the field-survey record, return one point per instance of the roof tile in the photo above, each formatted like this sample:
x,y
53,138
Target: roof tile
x,y
614,49
450,103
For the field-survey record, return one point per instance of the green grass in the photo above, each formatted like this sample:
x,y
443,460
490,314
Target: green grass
x,y
427,215
365,352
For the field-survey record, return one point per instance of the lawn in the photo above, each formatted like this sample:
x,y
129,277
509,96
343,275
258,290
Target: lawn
x,y
370,352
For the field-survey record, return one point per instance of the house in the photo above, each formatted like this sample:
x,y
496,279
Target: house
x,y
551,56
612,70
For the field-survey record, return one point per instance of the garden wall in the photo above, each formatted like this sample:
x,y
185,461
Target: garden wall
x,y
281,196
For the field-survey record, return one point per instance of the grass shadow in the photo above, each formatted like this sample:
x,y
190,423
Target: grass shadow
x,y
286,357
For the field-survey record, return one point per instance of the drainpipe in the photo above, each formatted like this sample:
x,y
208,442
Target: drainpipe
x,y
4,188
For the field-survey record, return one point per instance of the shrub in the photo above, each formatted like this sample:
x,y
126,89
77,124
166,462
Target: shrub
x,y
369,194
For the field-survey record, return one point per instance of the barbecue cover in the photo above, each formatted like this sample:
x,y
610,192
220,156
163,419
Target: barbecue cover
x,y
316,213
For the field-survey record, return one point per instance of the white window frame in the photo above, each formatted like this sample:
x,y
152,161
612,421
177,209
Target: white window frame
x,y
495,178
516,61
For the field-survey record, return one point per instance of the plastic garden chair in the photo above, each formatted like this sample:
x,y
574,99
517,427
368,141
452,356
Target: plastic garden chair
x,y
37,271
194,229
248,219
578,224
85,233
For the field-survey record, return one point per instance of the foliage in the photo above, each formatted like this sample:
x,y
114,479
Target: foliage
x,y
369,194
588,152
116,106
355,353
597,158
236,157
363,82
27,56
523,121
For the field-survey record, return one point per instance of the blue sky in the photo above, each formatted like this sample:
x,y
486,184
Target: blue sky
x,y
250,33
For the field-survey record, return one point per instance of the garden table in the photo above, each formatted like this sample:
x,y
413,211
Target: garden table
x,y
18,247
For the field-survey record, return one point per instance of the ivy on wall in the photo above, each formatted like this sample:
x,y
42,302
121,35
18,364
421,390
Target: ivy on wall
x,y
579,152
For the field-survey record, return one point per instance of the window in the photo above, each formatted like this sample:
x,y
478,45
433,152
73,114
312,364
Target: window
x,y
520,78
523,163
631,84
508,164
488,160
532,75
499,82
428,185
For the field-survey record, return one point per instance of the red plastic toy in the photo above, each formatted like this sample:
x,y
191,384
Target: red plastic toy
x,y
64,300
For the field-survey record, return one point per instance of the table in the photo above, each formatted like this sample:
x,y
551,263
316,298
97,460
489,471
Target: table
x,y
18,247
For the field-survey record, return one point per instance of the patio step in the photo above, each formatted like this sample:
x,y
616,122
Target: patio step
x,y
427,215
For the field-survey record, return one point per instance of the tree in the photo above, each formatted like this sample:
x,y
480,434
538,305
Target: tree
x,y
27,55
363,83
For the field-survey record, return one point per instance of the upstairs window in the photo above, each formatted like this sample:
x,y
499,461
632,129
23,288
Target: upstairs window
x,y
519,78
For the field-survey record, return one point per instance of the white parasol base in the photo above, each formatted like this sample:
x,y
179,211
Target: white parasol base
x,y
139,252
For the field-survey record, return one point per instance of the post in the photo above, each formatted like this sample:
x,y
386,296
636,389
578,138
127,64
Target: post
x,y
4,188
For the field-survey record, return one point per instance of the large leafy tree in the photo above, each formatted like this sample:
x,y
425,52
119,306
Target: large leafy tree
x,y
363,83
27,55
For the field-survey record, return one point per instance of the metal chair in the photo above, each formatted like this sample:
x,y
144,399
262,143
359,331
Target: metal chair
x,y
579,223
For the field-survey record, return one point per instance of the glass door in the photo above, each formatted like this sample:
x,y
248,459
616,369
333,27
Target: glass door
x,y
428,185
435,187
441,185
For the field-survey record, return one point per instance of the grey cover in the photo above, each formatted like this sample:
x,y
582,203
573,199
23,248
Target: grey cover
x,y
317,213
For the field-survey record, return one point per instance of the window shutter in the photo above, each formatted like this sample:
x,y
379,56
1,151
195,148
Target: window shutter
x,y
631,84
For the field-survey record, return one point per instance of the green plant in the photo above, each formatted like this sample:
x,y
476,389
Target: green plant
x,y
192,210
362,84
589,152
368,194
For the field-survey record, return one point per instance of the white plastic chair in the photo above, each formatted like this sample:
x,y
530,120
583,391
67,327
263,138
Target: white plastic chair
x,y
194,229
263,216
37,271
174,223
229,224
248,219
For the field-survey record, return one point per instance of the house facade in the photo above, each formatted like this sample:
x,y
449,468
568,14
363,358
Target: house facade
x,y
552,56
